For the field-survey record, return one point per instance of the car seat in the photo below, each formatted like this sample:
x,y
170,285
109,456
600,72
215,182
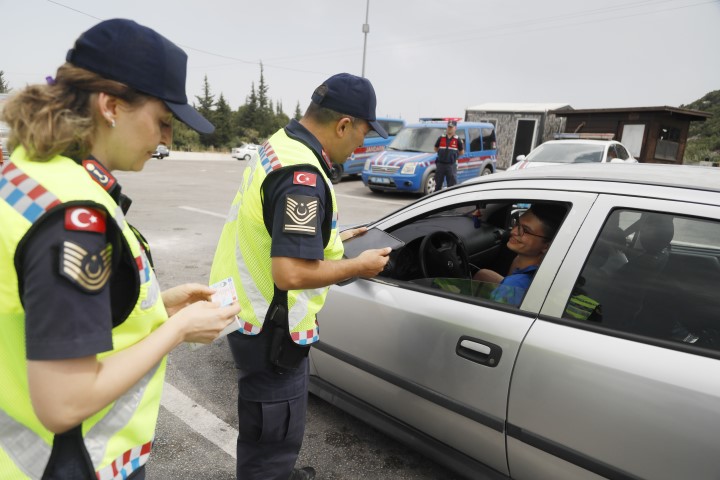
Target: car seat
x,y
624,291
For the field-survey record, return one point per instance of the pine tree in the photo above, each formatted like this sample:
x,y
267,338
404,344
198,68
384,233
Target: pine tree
x,y
222,119
205,107
298,112
4,87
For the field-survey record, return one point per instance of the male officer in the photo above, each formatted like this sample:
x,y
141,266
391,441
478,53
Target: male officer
x,y
282,247
448,147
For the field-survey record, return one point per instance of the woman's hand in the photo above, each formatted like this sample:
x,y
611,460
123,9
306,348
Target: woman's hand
x,y
177,298
202,322
353,232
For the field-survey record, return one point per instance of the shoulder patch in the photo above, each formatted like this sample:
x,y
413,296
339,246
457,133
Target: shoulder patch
x,y
99,174
89,271
305,178
300,214
85,219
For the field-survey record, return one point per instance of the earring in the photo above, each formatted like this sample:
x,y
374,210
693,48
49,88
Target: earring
x,y
111,121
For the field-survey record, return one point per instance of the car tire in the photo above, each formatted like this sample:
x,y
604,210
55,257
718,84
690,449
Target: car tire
x,y
429,183
336,173
486,171
246,157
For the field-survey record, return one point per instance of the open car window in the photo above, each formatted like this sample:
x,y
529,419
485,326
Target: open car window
x,y
445,249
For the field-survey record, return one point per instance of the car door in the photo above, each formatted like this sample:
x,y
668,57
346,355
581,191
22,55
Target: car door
x,y
619,376
468,164
440,365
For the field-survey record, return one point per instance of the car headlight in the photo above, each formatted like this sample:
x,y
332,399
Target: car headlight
x,y
408,169
367,164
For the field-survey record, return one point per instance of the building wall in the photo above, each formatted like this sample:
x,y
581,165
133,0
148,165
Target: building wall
x,y
506,128
614,123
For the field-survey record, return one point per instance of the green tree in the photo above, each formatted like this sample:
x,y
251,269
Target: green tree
x,y
223,121
704,137
4,87
298,112
205,106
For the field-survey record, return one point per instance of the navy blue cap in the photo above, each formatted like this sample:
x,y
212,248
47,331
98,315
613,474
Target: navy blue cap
x,y
351,95
141,58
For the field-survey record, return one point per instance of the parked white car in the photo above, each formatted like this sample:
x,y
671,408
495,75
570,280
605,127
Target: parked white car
x,y
245,151
561,152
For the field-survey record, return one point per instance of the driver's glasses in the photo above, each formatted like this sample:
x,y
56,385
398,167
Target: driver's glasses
x,y
522,229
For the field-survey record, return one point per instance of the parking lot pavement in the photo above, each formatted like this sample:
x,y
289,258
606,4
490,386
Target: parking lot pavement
x,y
180,205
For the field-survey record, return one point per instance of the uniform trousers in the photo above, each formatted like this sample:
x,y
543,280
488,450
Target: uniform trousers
x,y
271,410
445,171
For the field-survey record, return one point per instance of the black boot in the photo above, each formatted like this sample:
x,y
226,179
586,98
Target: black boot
x,y
305,473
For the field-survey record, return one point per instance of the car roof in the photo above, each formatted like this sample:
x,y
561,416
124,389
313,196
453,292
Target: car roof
x,y
680,176
584,141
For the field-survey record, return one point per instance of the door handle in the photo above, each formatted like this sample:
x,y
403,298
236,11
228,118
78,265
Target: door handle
x,y
478,351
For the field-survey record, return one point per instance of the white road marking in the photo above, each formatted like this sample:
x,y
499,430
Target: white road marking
x,y
200,210
200,419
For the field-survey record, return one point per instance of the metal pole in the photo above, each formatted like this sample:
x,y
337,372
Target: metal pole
x,y
365,29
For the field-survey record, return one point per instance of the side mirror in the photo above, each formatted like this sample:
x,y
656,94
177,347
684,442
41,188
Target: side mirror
x,y
520,158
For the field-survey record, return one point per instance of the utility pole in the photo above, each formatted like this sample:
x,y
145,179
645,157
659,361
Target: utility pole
x,y
365,29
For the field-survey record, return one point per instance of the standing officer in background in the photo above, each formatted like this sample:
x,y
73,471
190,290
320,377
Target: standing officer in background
x,y
85,328
283,249
448,147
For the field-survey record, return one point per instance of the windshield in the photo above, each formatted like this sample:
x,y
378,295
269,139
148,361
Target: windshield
x,y
417,139
567,153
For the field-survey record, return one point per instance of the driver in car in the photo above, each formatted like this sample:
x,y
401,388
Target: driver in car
x,y
530,237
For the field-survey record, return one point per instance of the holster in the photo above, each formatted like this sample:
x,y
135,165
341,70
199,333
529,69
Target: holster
x,y
285,355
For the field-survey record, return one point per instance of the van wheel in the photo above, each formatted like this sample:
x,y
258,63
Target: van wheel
x,y
429,186
336,173
486,171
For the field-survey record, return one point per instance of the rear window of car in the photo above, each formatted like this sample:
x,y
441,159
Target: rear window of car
x,y
653,274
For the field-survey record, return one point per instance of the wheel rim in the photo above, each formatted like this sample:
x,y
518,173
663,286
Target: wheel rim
x,y
486,171
430,183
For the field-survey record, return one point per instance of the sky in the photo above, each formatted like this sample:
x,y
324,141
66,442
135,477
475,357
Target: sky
x,y
425,58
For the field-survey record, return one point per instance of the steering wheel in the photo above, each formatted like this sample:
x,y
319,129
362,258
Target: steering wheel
x,y
443,254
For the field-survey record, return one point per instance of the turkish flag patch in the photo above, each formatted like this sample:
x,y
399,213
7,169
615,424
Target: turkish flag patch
x,y
305,178
85,219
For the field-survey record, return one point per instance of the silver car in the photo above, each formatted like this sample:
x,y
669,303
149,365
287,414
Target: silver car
x,y
607,366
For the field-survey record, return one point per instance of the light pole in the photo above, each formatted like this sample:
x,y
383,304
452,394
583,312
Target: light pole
x,y
365,29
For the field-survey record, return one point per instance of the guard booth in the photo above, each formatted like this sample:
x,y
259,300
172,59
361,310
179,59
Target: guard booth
x,y
652,134
519,127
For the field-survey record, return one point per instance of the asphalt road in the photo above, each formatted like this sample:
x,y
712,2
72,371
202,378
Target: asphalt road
x,y
180,206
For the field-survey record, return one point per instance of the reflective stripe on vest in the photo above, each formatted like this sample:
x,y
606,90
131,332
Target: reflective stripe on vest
x,y
117,438
244,244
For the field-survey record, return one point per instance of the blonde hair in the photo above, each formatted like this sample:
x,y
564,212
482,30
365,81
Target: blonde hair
x,y
58,119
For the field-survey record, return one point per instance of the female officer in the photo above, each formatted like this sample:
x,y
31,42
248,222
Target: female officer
x,y
85,329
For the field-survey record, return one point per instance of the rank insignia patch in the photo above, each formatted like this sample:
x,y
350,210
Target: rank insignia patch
x,y
88,271
300,214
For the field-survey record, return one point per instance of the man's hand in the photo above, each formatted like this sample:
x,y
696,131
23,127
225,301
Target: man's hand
x,y
373,261
353,232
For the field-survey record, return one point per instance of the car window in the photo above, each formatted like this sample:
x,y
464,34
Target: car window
x,y
463,251
488,136
622,152
653,274
419,139
475,144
